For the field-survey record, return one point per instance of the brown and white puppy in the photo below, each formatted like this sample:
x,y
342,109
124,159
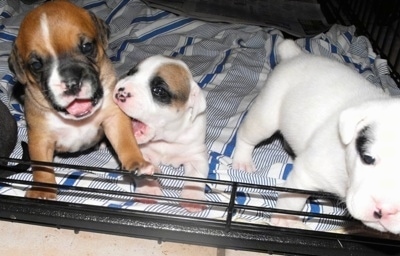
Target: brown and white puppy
x,y
59,55
167,108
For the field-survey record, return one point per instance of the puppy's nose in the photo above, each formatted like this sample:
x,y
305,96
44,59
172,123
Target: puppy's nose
x,y
73,86
385,211
121,95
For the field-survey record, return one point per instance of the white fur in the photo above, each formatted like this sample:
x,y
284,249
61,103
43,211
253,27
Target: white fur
x,y
44,26
173,136
88,132
55,82
73,136
320,106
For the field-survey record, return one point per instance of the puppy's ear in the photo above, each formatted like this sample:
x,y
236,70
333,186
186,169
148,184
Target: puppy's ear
x,y
197,102
132,71
102,28
350,121
15,65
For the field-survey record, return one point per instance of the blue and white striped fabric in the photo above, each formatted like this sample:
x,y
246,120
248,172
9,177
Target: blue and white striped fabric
x,y
230,62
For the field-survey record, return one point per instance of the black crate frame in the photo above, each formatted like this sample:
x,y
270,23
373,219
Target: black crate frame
x,y
194,230
367,16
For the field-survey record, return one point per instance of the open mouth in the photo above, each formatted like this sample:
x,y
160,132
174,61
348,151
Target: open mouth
x,y
139,127
80,107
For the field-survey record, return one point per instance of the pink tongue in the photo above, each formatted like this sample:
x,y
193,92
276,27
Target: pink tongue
x,y
138,127
79,107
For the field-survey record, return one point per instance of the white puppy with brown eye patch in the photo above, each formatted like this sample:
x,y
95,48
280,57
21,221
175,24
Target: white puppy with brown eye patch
x,y
167,108
343,130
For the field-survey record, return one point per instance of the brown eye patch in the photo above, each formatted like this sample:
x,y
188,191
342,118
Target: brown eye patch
x,y
177,80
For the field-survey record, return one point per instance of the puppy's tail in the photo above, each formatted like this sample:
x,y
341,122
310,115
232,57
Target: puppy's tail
x,y
288,49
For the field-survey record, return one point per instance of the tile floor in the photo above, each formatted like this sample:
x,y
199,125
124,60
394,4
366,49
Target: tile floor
x,y
23,239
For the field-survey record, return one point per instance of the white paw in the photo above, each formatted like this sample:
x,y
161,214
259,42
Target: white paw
x,y
148,187
247,166
147,170
196,194
287,221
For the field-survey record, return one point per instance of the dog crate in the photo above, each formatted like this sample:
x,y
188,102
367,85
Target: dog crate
x,y
379,21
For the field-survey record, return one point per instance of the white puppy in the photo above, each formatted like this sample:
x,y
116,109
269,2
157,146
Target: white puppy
x,y
343,130
167,108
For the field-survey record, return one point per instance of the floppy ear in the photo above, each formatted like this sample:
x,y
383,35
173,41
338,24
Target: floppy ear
x,y
349,122
102,28
197,101
15,65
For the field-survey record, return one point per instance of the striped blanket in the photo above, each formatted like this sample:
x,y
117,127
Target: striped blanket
x,y
230,62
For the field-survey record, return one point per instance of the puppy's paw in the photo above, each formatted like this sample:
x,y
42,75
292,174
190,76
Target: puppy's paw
x,y
148,169
42,193
141,168
148,187
242,156
287,221
196,194
243,165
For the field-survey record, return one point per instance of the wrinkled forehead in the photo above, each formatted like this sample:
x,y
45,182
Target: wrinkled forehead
x,y
176,76
54,29
387,135
173,72
380,138
380,131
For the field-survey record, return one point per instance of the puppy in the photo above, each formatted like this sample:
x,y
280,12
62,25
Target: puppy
x,y
168,117
342,129
59,55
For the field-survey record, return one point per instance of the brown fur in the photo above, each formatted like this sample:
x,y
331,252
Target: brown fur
x,y
178,76
69,25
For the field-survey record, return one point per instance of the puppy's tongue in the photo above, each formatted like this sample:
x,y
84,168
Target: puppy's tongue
x,y
80,107
138,127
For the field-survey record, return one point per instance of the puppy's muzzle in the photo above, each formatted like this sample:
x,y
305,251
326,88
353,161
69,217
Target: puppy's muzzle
x,y
75,74
73,81
80,81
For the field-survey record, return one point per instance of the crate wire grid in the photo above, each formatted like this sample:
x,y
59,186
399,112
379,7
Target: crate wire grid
x,y
371,20
175,227
232,186
378,20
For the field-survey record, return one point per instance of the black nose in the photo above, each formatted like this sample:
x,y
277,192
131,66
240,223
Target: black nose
x,y
122,95
73,85
378,214
72,78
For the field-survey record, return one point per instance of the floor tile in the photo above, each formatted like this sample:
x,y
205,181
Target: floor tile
x,y
23,239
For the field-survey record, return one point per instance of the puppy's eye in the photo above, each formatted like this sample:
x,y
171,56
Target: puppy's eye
x,y
159,90
87,48
36,64
160,93
367,159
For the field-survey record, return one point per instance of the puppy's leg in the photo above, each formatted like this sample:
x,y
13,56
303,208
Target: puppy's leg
x,y
297,179
117,128
147,187
119,132
260,123
195,190
41,151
